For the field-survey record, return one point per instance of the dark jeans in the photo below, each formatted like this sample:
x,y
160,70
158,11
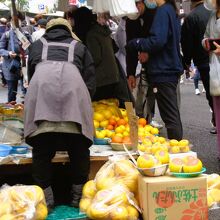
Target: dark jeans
x,y
45,146
166,96
12,89
204,75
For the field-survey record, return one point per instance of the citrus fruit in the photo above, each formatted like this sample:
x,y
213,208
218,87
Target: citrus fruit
x,y
145,161
176,165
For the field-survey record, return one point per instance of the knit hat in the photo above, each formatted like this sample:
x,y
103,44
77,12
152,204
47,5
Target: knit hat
x,y
42,22
61,22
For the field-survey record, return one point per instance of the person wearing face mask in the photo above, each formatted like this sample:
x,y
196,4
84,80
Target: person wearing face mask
x,y
192,32
145,102
162,53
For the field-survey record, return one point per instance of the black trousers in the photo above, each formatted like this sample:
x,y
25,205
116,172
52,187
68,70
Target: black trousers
x,y
204,75
166,96
45,146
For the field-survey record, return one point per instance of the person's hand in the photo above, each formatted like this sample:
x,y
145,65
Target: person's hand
x,y
206,44
217,50
143,57
12,54
131,82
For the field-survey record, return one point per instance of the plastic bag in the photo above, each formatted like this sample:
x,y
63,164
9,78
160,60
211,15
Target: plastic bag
x,y
213,194
113,193
22,202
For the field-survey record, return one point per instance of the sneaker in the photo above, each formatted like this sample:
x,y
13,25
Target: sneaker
x,y
197,92
213,130
203,90
156,124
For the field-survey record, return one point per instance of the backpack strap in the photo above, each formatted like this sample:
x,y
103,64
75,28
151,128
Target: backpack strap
x,y
71,47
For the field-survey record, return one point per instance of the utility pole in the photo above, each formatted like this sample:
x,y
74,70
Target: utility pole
x,y
14,14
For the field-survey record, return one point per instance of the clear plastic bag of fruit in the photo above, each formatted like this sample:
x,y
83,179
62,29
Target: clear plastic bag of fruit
x,y
22,202
213,194
118,169
113,203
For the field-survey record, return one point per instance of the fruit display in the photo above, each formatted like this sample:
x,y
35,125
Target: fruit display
x,y
112,194
151,144
22,202
182,146
110,121
213,194
188,164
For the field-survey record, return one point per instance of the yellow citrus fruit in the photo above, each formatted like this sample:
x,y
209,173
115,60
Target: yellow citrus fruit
x,y
104,183
210,201
119,213
141,147
162,140
176,165
174,142
41,212
104,124
119,197
107,114
5,208
132,212
175,150
162,156
99,134
215,194
89,189
183,143
192,166
145,161
96,123
84,204
8,217
185,149
99,211
98,116
154,131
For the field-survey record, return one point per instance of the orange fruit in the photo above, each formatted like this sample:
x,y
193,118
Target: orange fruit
x,y
117,139
142,121
112,121
110,127
121,122
126,140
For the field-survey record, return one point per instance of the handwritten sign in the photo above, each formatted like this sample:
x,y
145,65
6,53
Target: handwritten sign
x,y
133,123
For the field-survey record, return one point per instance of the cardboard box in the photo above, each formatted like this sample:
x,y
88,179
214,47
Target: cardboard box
x,y
171,198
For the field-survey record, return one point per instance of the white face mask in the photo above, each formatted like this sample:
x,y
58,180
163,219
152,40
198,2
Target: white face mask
x,y
150,4
209,4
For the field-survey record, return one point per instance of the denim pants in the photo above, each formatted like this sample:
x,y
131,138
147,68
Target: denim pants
x,y
12,89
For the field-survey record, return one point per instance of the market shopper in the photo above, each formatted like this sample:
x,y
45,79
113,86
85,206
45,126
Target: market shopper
x,y
213,32
40,31
138,28
192,33
11,51
97,37
162,53
58,110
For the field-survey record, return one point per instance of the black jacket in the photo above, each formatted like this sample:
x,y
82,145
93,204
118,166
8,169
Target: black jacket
x,y
192,33
82,58
138,28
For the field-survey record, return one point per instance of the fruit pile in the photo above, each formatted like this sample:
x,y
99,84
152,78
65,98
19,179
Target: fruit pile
x,y
113,193
22,202
152,144
188,164
111,121
149,161
213,195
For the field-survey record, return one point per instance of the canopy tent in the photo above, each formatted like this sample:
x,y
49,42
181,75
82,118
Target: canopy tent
x,y
3,7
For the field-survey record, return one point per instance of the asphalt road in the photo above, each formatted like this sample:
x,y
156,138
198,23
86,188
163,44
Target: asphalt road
x,y
195,115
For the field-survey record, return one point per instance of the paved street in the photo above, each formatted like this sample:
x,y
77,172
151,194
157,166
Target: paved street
x,y
196,117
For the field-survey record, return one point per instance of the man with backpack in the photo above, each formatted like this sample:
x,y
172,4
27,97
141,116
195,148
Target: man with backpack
x,y
58,110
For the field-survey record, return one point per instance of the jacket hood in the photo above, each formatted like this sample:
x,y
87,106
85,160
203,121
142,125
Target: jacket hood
x,y
58,34
104,30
